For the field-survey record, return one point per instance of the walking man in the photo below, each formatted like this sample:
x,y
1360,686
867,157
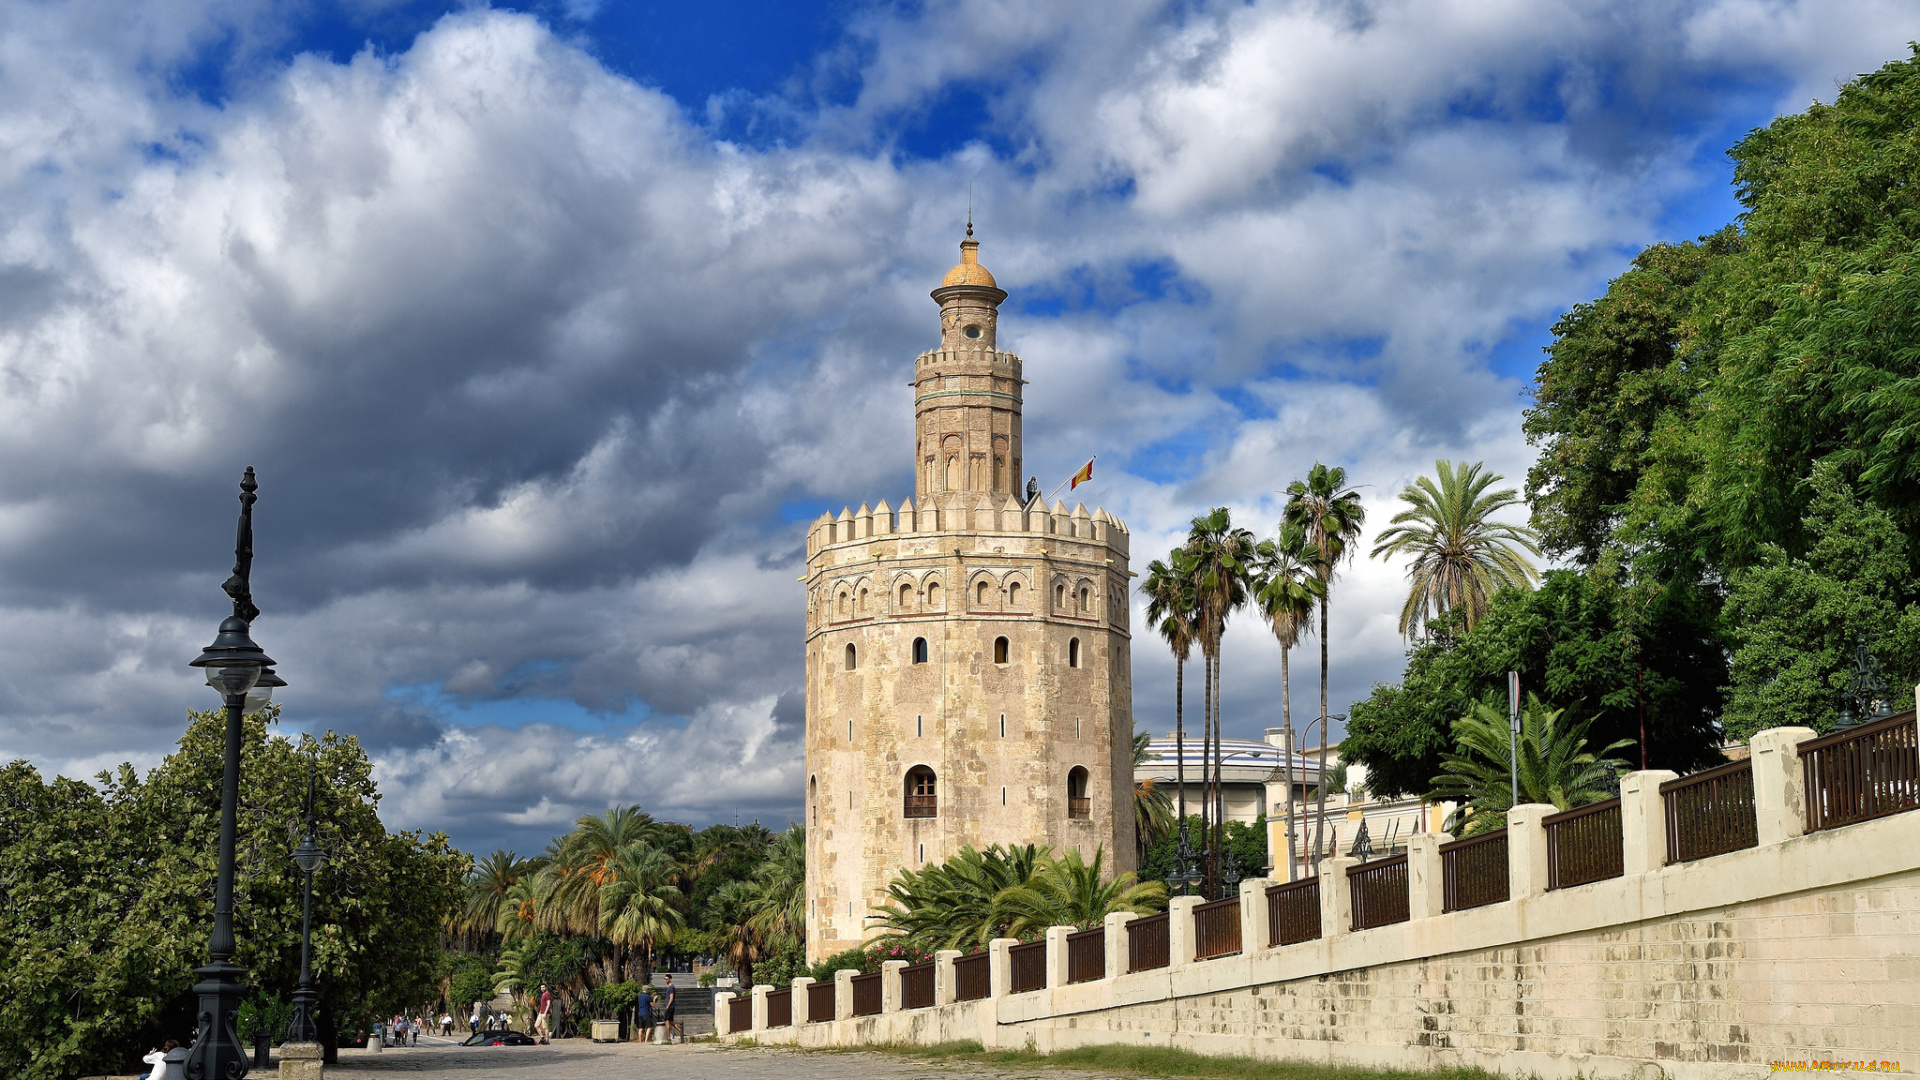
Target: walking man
x,y
666,1012
542,1027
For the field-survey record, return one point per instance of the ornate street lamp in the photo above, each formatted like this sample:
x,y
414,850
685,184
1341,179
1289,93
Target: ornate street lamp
x,y
235,666
1186,873
1867,695
309,857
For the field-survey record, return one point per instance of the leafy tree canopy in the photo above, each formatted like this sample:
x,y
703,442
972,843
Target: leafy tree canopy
x,y
1575,640
110,897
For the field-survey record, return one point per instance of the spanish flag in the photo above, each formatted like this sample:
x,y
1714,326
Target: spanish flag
x,y
1085,474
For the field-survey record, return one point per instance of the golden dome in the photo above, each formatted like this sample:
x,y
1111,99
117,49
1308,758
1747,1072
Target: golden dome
x,y
969,272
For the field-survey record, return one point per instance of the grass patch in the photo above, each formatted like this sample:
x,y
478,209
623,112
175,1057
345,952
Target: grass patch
x,y
1162,1061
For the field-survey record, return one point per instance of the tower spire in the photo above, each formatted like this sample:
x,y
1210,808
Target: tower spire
x,y
969,209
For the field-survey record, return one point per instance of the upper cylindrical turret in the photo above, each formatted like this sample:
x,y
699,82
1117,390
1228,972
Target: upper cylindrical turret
x,y
967,392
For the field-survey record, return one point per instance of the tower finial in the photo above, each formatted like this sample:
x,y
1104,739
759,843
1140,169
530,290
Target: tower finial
x,y
969,209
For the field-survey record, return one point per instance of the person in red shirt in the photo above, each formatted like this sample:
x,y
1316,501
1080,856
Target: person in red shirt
x,y
542,1026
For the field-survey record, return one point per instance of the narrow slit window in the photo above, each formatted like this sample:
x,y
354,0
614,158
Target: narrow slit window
x,y
1073,653
1003,725
916,726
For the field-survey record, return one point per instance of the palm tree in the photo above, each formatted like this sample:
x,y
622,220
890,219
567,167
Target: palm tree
x,y
639,903
489,888
1460,558
1220,555
1286,587
734,907
1152,810
1170,608
950,905
780,889
1069,891
1555,765
1329,513
583,865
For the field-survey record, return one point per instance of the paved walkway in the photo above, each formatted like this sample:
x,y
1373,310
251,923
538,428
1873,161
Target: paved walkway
x,y
578,1059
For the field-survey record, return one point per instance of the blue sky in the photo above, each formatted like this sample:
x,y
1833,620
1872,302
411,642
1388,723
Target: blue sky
x,y
548,326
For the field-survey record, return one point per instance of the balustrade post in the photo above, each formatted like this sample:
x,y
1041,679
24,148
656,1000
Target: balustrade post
x,y
1057,955
760,993
1336,896
890,985
1643,820
722,1015
843,993
946,983
1117,942
1527,850
1000,967
802,1001
1426,878
1253,914
1779,783
1180,935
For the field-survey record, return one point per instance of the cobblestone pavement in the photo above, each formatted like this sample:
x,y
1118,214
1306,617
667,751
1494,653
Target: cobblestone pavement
x,y
578,1059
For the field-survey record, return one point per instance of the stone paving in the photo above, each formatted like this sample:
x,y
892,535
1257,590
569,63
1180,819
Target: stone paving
x,y
579,1059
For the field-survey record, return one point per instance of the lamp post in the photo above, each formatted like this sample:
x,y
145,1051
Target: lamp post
x,y
309,857
238,669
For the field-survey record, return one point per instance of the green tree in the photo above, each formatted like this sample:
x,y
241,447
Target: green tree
x,y
640,900
1461,556
1171,607
1152,810
1616,654
1555,765
1220,557
950,905
1329,512
110,895
1797,619
1286,585
780,891
1067,890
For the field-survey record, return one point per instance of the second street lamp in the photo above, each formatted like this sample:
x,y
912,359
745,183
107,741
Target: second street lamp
x,y
309,857
235,666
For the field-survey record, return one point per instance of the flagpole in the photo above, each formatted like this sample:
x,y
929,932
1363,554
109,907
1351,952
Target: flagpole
x,y
1068,480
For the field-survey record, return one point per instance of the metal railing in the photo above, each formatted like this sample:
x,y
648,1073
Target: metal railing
x,y
1293,912
866,994
780,1008
1216,928
1473,872
1147,944
740,1014
1087,955
1079,806
923,806
1584,844
820,1002
1862,773
972,977
1029,963
1710,812
1379,892
916,986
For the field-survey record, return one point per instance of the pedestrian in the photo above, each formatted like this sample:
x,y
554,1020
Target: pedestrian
x,y
666,1012
446,1025
473,1023
542,1024
168,1062
643,1015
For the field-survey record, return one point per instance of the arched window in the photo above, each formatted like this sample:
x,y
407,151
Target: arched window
x,y
1073,654
1013,594
919,650
1086,598
1060,596
852,658
861,607
843,604
933,595
1078,805
999,650
953,474
921,800
980,595
906,597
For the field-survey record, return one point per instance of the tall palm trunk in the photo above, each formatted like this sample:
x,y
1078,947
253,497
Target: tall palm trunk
x,y
1206,768
1219,777
1319,827
1180,736
1286,724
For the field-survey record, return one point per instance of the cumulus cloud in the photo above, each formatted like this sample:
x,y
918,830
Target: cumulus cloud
x,y
543,374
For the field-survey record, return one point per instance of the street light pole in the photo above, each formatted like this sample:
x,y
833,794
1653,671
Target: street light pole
x,y
309,856
234,666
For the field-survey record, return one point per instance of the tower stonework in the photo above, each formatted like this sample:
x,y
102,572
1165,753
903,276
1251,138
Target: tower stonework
x,y
968,668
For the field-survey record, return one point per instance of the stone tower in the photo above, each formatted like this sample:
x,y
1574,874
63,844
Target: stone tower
x,y
968,673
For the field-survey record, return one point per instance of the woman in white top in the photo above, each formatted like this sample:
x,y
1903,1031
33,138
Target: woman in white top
x,y
169,1062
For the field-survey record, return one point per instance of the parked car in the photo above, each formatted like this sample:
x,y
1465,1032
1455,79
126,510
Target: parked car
x,y
500,1038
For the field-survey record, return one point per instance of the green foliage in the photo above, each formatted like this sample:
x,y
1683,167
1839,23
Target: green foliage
x,y
1067,890
949,905
1461,556
787,962
471,981
1554,765
611,1000
1797,618
538,960
110,895
1575,639
1247,842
